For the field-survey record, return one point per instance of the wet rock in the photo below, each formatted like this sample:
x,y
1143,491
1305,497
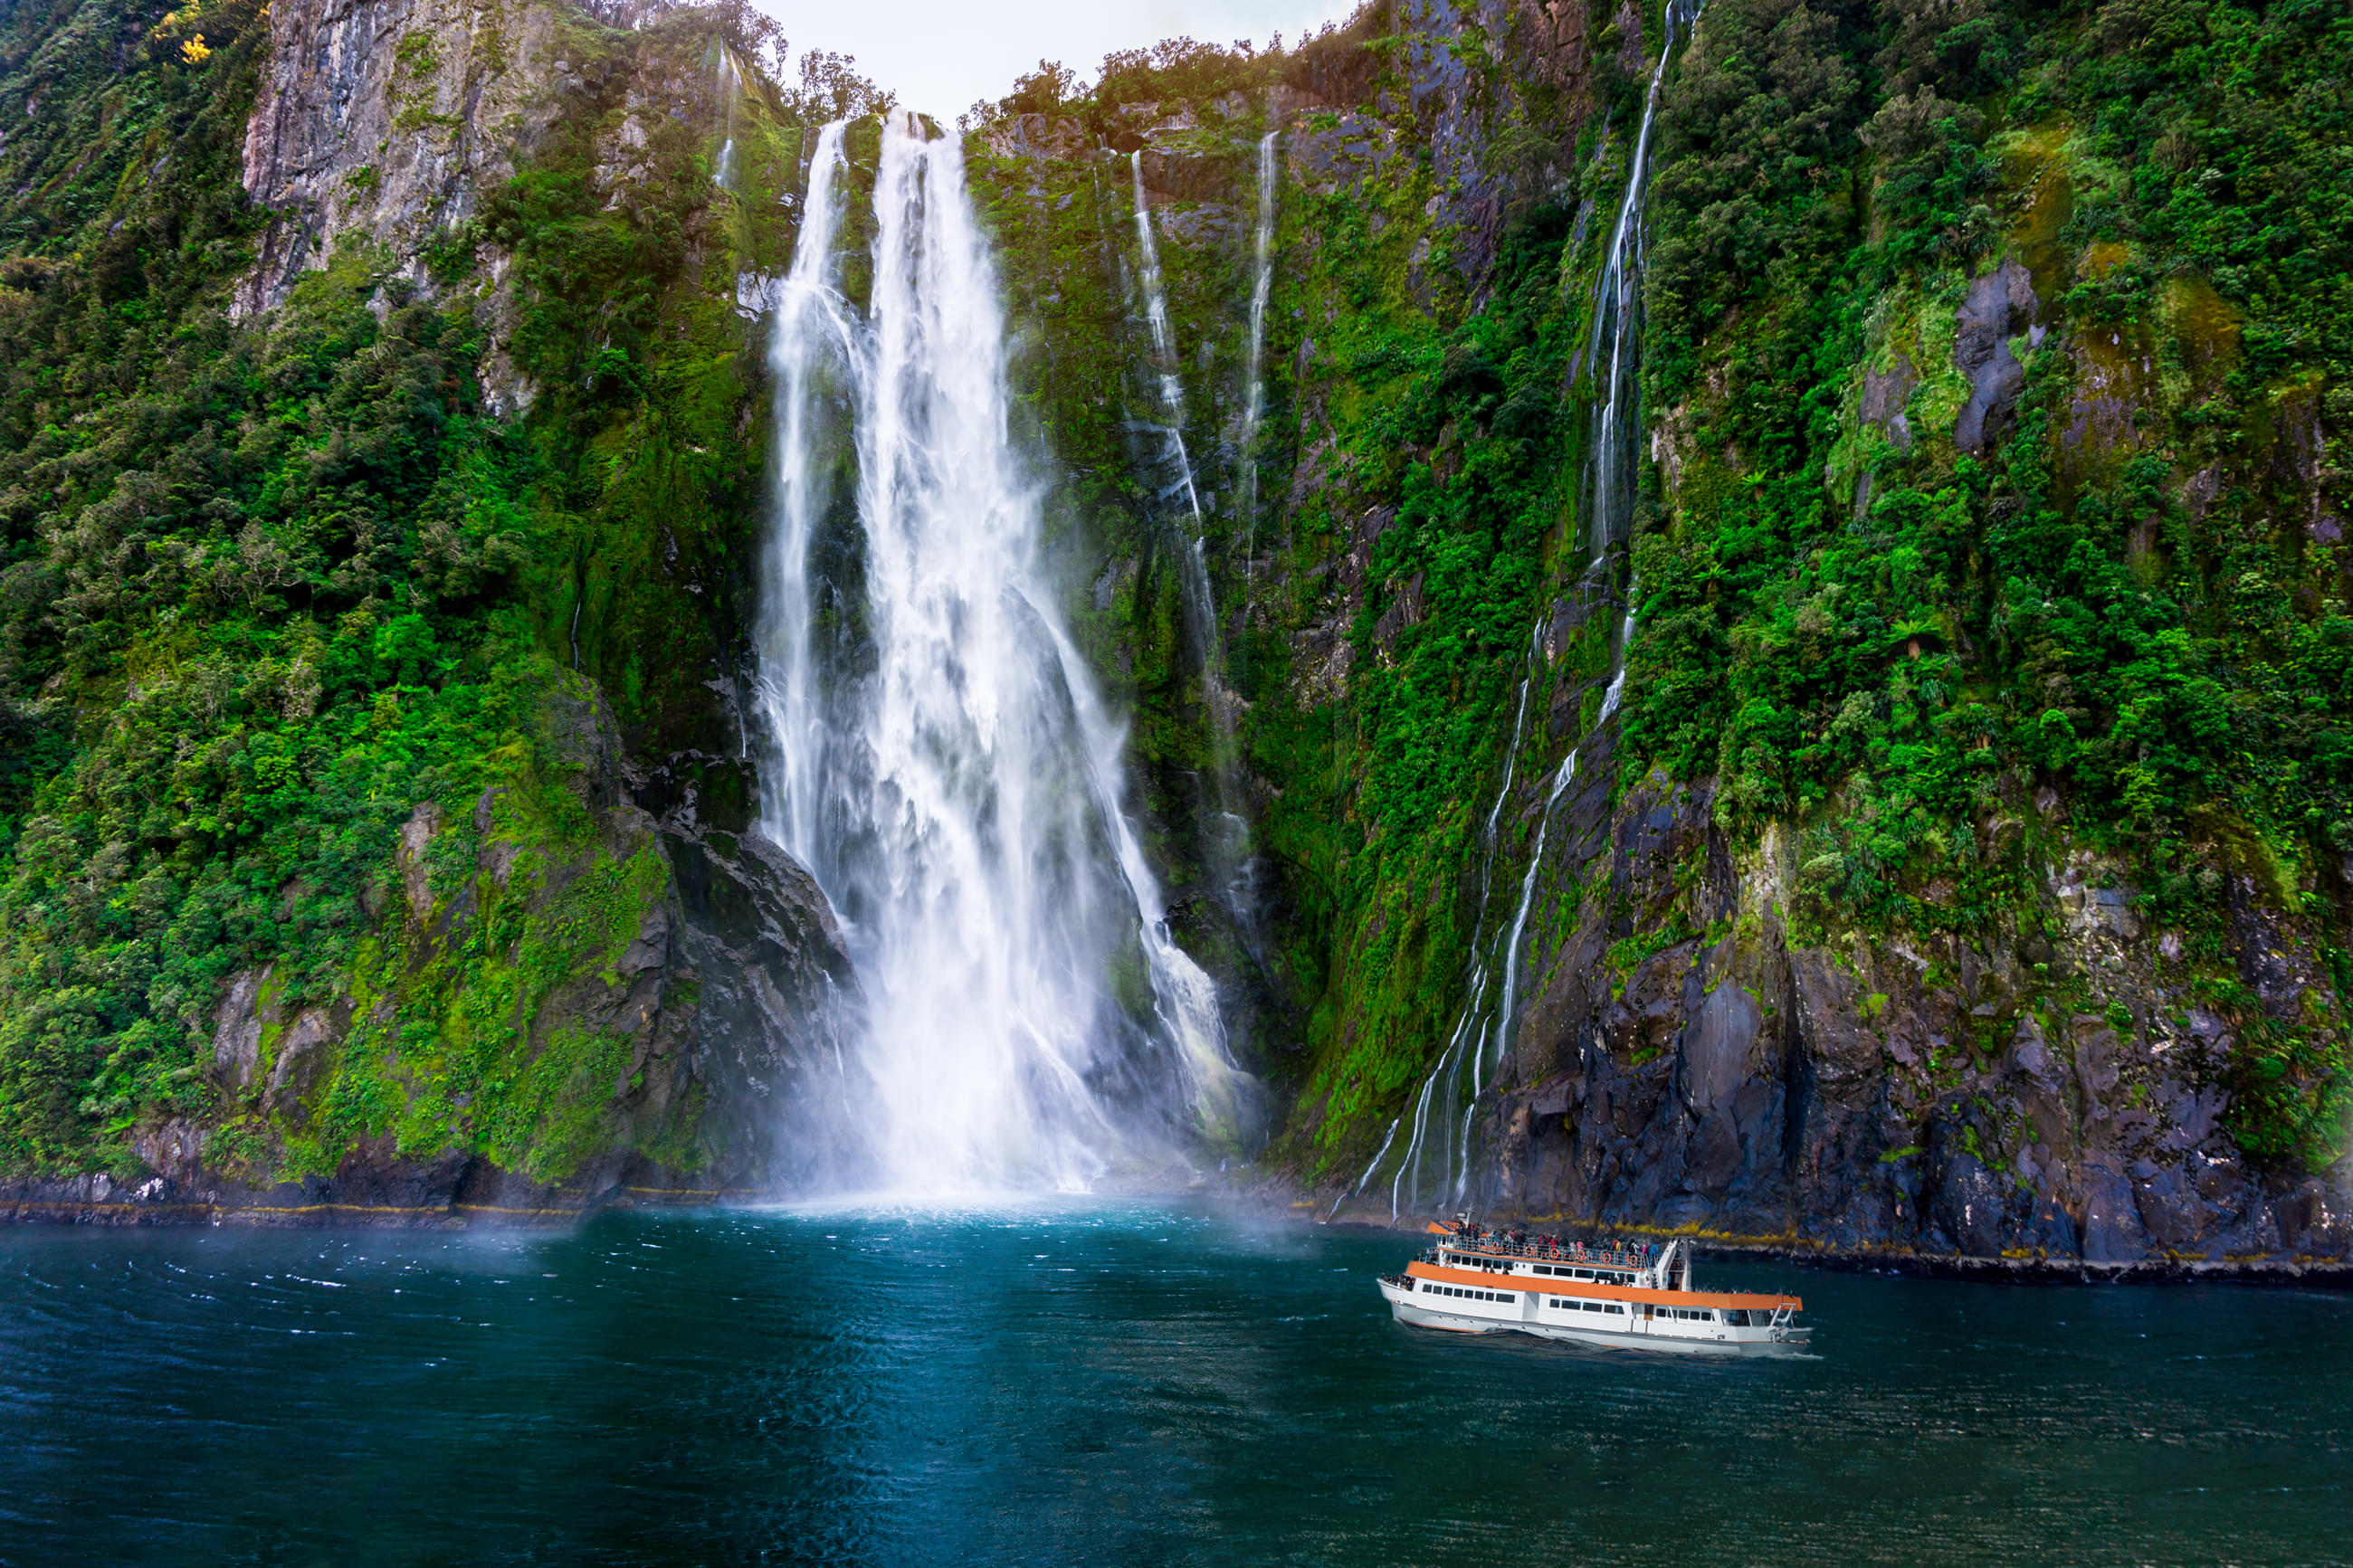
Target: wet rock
x,y
236,1032
304,1053
1884,393
1039,136
2113,1229
1999,306
1971,1205
1717,1048
1899,1096
389,119
777,998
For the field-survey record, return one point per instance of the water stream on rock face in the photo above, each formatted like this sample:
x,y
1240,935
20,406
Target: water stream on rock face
x,y
1164,344
727,78
1443,1146
1226,830
1261,286
948,772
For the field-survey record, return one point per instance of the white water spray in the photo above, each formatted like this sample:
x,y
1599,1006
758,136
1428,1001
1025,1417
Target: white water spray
x,y
948,771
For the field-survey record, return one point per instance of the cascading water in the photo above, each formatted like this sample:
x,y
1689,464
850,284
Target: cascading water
x,y
727,81
1163,345
953,781
1613,447
811,357
1226,830
1261,287
1613,456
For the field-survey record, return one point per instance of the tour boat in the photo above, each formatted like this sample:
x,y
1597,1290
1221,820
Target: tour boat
x,y
1633,1296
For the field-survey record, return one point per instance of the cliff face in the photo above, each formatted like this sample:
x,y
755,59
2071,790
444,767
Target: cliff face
x,y
1914,903
1915,1096
390,120
1951,857
571,1001
379,835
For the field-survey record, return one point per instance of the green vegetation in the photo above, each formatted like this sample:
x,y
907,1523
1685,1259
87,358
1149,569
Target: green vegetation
x,y
2118,626
2131,598
272,584
269,585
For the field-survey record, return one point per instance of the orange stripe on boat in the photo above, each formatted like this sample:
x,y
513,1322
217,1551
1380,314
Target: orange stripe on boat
x,y
1594,1290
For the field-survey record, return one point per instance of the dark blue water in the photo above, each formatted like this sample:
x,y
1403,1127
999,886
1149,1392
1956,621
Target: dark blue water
x,y
1105,1384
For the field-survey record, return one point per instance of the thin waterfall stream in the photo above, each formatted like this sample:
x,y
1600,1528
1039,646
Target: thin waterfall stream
x,y
1226,830
947,769
1611,473
1261,288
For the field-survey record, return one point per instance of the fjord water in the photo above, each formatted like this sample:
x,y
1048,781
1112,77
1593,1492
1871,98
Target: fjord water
x,y
1100,1382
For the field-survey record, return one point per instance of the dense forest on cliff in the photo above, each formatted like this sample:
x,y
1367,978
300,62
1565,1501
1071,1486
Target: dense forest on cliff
x,y
1987,578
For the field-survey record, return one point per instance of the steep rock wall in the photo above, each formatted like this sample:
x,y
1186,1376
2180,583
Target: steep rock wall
x,y
648,1007
2040,1097
389,121
1887,917
449,903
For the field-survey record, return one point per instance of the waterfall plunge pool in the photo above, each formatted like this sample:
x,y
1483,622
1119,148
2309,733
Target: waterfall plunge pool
x,y
1104,1382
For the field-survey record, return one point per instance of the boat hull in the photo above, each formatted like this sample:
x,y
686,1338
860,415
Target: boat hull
x,y
1423,1314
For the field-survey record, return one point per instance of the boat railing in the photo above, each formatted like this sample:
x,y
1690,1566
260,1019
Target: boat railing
x,y
1547,1250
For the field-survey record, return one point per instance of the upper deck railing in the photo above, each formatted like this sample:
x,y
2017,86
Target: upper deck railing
x,y
1552,1249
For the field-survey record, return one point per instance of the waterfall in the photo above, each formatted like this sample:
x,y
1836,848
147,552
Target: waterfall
x,y
944,765
1164,344
811,356
727,82
1609,482
1226,829
1262,285
1613,449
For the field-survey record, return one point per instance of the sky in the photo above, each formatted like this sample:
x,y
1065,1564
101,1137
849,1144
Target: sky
x,y
942,56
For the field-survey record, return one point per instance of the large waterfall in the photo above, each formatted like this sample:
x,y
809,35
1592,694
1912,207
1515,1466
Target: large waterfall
x,y
1436,1164
940,758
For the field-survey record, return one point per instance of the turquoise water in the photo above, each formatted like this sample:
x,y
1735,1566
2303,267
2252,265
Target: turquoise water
x,y
1105,1383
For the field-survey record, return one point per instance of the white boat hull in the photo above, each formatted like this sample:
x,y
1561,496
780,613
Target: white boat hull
x,y
1674,1338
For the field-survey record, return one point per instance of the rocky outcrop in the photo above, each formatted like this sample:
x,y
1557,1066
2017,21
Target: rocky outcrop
x,y
2000,306
775,999
389,119
732,994
2017,1100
